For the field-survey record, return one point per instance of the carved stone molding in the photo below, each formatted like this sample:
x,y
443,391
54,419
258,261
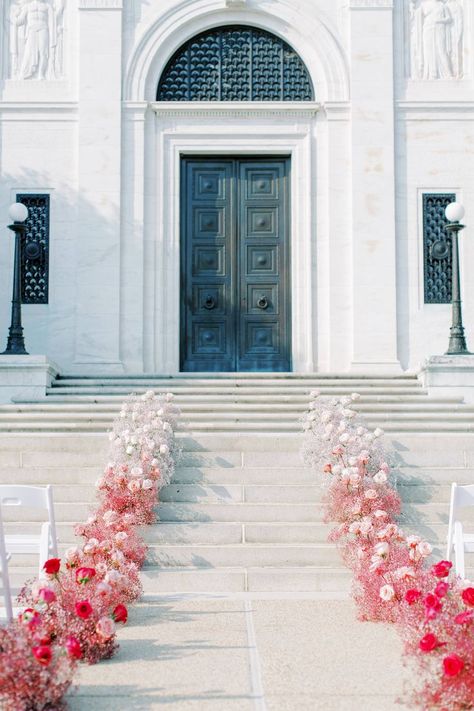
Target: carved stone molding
x,y
100,4
36,39
235,3
239,109
371,4
435,32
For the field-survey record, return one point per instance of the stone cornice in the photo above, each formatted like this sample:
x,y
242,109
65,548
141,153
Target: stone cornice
x,y
436,110
26,111
234,109
100,4
371,4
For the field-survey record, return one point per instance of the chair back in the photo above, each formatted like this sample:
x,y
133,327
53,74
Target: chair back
x,y
40,497
461,496
4,575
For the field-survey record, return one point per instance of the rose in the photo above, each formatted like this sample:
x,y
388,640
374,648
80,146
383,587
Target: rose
x,y
412,596
464,618
370,494
83,609
380,477
441,589
43,654
387,593
134,486
51,567
105,628
429,642
83,575
432,606
468,596
120,614
73,648
453,665
382,549
30,617
424,549
441,569
46,595
147,484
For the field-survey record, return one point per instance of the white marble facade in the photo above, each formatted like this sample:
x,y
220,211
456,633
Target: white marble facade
x,y
393,118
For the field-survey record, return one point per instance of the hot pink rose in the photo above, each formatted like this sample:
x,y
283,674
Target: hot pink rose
x,y
441,569
441,589
412,596
51,567
73,648
453,665
83,575
43,654
429,642
464,618
83,609
468,596
46,595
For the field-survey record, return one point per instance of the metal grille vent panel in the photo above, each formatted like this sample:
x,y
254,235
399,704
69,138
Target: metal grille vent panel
x,y
437,248
35,272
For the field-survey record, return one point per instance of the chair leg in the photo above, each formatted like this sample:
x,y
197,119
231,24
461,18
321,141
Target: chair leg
x,y
44,545
7,595
459,550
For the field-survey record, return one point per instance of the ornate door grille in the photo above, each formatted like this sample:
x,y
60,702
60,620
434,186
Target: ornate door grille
x,y
35,265
437,248
235,63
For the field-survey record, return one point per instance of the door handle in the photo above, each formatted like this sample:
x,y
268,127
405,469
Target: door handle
x,y
209,303
262,303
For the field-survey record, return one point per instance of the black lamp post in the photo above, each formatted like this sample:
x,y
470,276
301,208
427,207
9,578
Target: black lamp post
x,y
457,340
16,343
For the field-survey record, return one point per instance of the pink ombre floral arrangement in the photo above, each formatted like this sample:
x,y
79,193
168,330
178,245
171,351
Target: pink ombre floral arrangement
x,y
71,613
393,578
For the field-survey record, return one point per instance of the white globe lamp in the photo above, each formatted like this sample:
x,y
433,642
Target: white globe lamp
x,y
18,212
455,212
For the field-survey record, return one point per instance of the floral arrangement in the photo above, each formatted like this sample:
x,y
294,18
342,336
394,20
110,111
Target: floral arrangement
x,y
71,612
394,579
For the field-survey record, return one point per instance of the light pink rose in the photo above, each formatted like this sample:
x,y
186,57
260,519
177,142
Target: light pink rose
x,y
105,628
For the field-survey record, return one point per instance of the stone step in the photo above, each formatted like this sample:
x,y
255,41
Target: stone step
x,y
244,555
237,379
122,392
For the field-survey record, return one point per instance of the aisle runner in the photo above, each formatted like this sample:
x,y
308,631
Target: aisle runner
x,y
392,581
70,614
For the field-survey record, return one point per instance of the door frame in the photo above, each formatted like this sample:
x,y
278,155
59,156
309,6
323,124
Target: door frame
x,y
236,267
232,130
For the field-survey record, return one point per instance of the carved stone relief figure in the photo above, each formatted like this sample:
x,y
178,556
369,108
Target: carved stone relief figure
x,y
36,39
436,35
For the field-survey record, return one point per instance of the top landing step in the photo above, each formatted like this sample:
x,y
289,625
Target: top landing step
x,y
411,377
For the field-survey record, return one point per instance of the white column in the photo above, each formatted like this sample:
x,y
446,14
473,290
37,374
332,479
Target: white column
x,y
98,248
373,187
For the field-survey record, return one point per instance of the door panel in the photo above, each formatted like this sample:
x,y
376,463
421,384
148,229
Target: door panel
x,y
235,310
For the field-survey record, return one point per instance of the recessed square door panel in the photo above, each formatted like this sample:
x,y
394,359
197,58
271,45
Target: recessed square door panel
x,y
261,260
209,260
209,223
262,222
235,265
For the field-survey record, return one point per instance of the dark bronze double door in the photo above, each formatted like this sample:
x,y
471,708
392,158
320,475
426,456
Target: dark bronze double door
x,y
235,265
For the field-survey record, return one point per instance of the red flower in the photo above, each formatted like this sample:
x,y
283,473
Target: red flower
x,y
433,605
441,569
412,596
47,595
468,596
453,665
30,617
83,575
42,654
73,648
51,567
464,617
120,614
441,589
83,609
430,642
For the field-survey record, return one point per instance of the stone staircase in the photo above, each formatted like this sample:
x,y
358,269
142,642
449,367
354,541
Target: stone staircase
x,y
246,402
242,513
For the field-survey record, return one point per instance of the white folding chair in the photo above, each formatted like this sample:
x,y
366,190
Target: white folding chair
x,y
46,543
462,543
4,576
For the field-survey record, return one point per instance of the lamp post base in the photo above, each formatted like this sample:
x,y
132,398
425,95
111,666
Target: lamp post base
x,y
448,375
